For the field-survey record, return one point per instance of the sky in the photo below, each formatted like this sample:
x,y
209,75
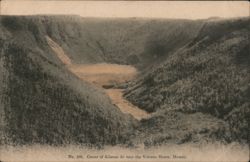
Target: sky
x,y
151,9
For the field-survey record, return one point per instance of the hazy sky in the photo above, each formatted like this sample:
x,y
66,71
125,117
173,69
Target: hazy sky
x,y
162,9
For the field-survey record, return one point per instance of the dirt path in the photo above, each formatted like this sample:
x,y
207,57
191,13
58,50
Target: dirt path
x,y
104,74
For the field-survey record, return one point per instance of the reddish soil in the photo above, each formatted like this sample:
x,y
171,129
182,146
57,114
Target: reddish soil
x,y
104,74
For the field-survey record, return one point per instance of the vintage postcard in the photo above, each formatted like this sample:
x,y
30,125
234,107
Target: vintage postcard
x,y
130,81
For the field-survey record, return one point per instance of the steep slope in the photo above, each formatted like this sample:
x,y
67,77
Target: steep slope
x,y
141,42
42,102
104,76
208,77
194,77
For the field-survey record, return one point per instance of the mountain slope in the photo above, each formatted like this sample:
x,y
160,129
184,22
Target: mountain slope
x,y
42,102
194,78
209,76
125,41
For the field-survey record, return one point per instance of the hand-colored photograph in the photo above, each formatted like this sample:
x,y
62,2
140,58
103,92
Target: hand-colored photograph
x,y
124,81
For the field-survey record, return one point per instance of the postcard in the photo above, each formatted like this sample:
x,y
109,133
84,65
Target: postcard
x,y
124,81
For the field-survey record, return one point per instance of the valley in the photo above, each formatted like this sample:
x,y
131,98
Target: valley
x,y
104,75
132,82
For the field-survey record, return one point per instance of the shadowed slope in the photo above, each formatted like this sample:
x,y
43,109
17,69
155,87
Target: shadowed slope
x,y
104,75
192,73
140,42
205,76
42,102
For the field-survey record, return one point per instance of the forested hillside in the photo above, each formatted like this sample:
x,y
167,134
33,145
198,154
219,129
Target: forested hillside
x,y
42,102
193,80
92,40
210,75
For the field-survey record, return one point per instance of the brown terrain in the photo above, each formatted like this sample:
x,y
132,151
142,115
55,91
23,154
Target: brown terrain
x,y
101,75
180,86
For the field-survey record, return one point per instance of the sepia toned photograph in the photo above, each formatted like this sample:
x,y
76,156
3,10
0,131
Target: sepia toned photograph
x,y
124,81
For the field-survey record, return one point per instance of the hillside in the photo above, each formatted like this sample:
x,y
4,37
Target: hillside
x,y
134,41
192,83
42,102
206,82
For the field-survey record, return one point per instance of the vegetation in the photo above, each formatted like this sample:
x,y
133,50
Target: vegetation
x,y
194,77
203,77
125,41
41,102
